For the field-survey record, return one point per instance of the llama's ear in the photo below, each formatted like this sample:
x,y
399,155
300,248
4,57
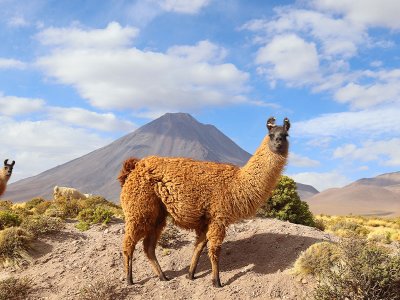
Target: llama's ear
x,y
13,163
286,124
271,123
56,188
6,161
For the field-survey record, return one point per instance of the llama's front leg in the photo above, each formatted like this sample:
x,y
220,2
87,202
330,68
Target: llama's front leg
x,y
215,236
201,241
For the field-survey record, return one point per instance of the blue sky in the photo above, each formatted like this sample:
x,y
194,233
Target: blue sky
x,y
76,75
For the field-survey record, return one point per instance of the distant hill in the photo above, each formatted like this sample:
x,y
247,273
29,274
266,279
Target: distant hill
x,y
379,196
306,191
173,134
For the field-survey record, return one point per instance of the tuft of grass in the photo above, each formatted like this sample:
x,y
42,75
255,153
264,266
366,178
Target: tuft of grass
x,y
14,245
41,224
15,288
317,258
102,289
9,219
363,270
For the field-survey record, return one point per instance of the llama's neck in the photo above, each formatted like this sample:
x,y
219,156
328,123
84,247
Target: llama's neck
x,y
3,181
257,179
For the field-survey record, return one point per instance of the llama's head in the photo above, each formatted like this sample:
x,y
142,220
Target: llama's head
x,y
278,142
7,169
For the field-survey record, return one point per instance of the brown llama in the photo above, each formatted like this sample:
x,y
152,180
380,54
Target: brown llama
x,y
5,174
203,196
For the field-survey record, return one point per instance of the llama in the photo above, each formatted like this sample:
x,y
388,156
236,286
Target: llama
x,y
202,196
61,192
5,175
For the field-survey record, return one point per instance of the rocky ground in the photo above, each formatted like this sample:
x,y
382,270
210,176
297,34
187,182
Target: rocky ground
x,y
256,261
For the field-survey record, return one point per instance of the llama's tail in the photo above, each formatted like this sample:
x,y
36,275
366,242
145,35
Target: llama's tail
x,y
127,168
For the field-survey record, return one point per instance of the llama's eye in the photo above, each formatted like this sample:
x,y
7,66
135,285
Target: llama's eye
x,y
271,135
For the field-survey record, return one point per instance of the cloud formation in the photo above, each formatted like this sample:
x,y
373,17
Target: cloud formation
x,y
116,76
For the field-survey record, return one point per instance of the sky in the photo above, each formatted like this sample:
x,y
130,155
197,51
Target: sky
x,y
76,75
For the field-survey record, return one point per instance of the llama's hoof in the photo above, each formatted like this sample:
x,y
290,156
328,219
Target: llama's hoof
x,y
129,281
217,283
164,278
190,276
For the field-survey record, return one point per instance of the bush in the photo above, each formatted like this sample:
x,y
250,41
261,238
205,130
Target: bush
x,y
169,237
14,244
15,288
318,257
9,219
346,228
285,204
89,216
34,202
364,270
41,224
5,204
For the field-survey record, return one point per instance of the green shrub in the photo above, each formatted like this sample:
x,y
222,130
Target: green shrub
x,y
285,204
9,219
22,212
317,258
42,207
34,202
69,208
15,288
364,270
82,226
14,244
98,215
41,224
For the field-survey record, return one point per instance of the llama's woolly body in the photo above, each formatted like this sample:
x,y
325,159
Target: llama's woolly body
x,y
203,196
193,191
67,192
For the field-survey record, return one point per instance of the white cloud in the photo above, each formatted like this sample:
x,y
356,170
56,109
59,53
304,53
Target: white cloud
x,y
297,160
17,21
384,13
321,181
371,122
39,145
113,36
183,6
88,119
364,96
291,59
12,106
7,63
129,78
385,152
202,51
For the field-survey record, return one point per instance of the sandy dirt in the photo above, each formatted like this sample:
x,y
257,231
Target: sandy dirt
x,y
256,261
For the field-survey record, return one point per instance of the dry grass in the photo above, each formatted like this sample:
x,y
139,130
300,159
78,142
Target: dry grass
x,y
15,288
378,229
101,289
14,246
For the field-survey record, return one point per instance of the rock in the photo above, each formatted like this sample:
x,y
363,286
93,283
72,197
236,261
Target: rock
x,y
304,281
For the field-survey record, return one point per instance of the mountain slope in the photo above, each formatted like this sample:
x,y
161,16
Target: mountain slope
x,y
378,196
176,134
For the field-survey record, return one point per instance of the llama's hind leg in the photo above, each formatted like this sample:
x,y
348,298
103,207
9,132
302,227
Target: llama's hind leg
x,y
150,243
128,248
215,236
201,242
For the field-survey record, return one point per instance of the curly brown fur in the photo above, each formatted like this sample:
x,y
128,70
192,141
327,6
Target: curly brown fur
x,y
127,167
5,174
202,196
